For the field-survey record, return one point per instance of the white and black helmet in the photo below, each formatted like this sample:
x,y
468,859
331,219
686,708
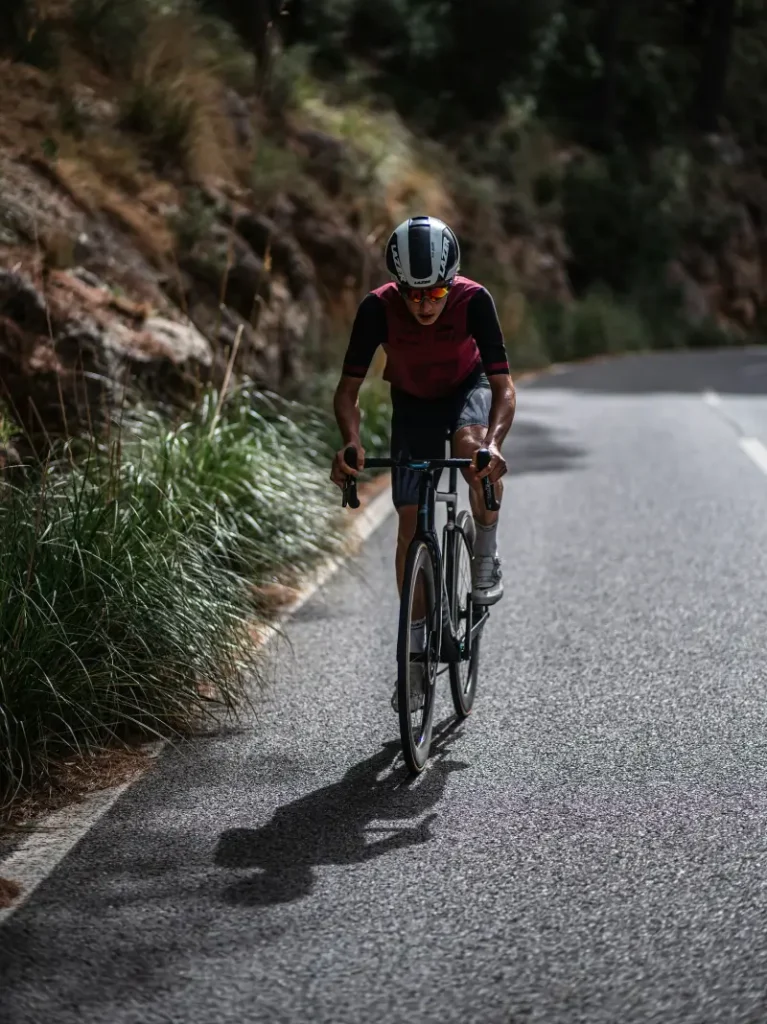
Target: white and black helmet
x,y
421,252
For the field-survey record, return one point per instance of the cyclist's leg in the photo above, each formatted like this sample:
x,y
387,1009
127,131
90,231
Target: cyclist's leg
x,y
466,441
418,432
470,428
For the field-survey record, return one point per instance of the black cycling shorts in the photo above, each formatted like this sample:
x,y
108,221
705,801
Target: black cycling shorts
x,y
420,427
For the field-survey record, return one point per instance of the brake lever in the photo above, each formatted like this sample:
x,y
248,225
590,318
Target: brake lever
x,y
350,496
483,461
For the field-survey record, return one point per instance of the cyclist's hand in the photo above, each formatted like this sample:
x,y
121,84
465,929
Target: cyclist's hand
x,y
340,470
496,468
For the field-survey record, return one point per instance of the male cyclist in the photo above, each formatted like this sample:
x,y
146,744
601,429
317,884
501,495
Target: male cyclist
x,y
447,366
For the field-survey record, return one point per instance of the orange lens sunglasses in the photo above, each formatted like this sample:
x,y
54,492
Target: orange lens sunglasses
x,y
419,294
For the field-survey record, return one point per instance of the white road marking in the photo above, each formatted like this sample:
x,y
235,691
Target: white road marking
x,y
756,451
752,446
59,832
55,836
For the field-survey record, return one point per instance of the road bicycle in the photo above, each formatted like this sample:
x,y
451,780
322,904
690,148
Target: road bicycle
x,y
454,624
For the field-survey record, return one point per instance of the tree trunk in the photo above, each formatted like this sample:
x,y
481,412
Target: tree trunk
x,y
265,30
610,33
715,60
698,16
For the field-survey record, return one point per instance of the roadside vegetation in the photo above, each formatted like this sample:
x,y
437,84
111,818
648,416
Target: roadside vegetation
x,y
594,159
135,571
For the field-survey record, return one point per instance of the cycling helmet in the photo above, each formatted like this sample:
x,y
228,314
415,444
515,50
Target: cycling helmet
x,y
421,252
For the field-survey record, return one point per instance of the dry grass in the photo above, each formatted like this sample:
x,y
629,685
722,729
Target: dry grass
x,y
175,99
9,892
178,100
88,188
72,781
117,162
418,188
406,178
27,107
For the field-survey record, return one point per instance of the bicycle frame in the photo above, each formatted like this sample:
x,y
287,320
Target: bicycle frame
x,y
428,496
426,531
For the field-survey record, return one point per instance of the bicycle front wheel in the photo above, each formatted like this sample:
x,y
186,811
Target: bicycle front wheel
x,y
463,673
417,666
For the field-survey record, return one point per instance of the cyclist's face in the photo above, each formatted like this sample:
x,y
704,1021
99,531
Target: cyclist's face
x,y
426,311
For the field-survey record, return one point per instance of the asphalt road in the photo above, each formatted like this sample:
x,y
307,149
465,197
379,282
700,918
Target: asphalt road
x,y
590,847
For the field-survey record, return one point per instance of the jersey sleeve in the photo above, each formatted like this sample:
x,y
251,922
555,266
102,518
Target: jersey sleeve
x,y
485,327
368,332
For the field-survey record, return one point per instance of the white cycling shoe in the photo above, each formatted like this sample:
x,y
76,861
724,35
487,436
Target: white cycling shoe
x,y
486,582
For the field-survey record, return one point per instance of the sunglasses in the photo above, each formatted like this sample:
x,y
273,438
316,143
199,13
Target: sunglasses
x,y
419,294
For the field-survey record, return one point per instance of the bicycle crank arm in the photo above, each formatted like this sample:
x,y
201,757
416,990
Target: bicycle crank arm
x,y
476,627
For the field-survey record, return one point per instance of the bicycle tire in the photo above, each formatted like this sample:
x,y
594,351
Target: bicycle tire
x,y
416,736
464,673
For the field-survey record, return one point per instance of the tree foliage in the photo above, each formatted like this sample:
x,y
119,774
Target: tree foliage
x,y
605,69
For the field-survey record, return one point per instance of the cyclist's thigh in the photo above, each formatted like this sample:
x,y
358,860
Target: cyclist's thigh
x,y
418,432
472,419
473,406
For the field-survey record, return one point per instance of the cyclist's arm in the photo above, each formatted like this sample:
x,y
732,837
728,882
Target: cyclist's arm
x,y
346,406
502,409
485,327
368,332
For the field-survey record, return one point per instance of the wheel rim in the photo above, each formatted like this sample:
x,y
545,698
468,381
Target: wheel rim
x,y
416,726
464,672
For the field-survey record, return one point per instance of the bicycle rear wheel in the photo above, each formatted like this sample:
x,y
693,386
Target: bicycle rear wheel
x,y
463,673
416,671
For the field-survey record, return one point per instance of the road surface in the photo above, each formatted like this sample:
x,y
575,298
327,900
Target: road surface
x,y
591,846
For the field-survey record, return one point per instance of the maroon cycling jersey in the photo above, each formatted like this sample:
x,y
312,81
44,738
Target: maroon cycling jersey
x,y
428,361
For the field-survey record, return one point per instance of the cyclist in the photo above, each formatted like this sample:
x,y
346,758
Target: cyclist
x,y
447,366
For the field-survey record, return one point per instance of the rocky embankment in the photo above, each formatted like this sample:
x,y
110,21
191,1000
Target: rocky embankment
x,y
117,274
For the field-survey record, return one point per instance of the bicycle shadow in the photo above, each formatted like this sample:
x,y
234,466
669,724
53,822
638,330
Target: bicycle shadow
x,y
332,825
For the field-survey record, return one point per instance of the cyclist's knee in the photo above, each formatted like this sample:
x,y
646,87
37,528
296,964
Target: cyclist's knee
x,y
468,440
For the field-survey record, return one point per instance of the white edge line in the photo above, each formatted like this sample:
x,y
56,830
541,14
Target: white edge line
x,y
56,834
366,523
752,446
755,450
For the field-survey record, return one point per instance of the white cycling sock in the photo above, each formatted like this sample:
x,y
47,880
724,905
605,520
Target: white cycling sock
x,y
486,543
417,636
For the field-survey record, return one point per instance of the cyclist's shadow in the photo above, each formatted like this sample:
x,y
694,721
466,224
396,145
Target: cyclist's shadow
x,y
333,826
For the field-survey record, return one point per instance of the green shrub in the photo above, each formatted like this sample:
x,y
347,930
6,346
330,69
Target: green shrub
x,y
7,426
527,343
194,219
165,115
244,482
275,168
110,30
619,228
600,324
375,416
127,574
110,621
290,83
708,334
